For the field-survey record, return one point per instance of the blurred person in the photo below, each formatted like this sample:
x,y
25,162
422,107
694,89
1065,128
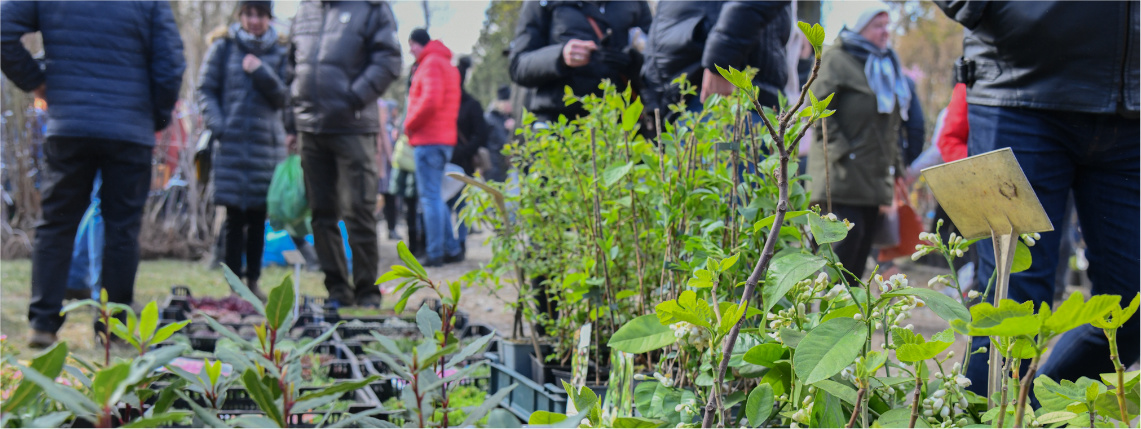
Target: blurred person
x,y
471,136
344,56
1066,103
694,37
110,84
913,133
384,148
242,94
577,44
871,100
501,130
433,109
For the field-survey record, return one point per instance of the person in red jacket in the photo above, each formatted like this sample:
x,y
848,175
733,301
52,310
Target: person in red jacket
x,y
433,108
952,139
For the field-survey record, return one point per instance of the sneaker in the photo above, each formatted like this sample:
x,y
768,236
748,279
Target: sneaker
x,y
41,339
77,294
392,235
459,257
433,263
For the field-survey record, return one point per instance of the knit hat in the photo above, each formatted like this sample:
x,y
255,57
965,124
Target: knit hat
x,y
866,16
503,93
265,7
420,36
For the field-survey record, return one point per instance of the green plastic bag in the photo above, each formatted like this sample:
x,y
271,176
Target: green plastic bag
x,y
287,207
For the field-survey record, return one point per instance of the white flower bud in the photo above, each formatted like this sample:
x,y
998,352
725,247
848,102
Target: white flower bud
x,y
973,294
858,316
937,403
951,354
939,393
959,252
945,412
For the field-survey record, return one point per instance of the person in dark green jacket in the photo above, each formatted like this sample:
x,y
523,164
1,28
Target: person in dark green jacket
x,y
863,161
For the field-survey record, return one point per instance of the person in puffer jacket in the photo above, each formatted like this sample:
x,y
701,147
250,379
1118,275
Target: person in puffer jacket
x,y
344,56
576,44
242,93
433,108
694,37
111,77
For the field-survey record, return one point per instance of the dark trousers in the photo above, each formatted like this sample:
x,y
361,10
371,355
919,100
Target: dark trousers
x,y
854,249
1096,157
245,236
71,164
340,183
390,211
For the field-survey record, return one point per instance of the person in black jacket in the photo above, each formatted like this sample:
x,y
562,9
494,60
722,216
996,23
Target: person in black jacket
x,y
110,84
912,135
1057,82
692,37
242,94
577,44
500,131
344,56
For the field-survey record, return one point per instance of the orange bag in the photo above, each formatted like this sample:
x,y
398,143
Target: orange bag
x,y
910,225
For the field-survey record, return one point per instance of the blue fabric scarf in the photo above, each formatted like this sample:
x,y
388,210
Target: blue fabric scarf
x,y
881,67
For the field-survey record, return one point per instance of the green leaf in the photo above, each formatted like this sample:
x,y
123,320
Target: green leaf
x,y
251,422
142,367
842,312
106,380
790,337
631,115
435,357
471,349
828,348
689,308
912,347
72,400
167,331
501,418
339,388
280,303
389,276
49,363
729,318
779,376
643,334
543,418
208,417
409,260
826,231
1022,259
261,396
765,354
785,272
1075,312
1009,319
1118,315
148,321
241,289
428,321
768,221
78,304
843,392
729,262
615,173
637,422
50,420
760,405
492,402
702,279
1055,417
899,418
943,306
158,420
400,304
814,34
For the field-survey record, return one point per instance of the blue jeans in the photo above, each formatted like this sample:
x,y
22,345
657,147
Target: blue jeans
x,y
1095,156
430,161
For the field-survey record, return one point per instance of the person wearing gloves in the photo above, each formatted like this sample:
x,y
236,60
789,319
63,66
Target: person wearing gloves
x,y
433,109
871,101
577,44
242,94
695,37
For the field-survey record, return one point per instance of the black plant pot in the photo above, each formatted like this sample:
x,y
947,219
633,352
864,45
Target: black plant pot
x,y
516,355
542,371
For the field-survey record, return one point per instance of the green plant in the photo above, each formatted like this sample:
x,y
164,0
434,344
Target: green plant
x,y
434,367
269,367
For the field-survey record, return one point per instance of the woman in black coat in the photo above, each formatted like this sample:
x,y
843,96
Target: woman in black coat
x,y
242,94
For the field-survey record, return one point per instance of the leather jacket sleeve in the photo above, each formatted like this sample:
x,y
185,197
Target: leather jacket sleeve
x,y
736,32
166,63
965,12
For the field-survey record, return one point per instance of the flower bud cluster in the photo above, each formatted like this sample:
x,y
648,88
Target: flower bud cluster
x,y
898,281
688,333
1030,239
946,406
955,247
802,415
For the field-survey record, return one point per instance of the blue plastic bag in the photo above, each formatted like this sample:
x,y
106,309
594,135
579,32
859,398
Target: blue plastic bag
x,y
87,256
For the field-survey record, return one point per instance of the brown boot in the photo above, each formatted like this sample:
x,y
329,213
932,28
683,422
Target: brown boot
x,y
41,339
253,285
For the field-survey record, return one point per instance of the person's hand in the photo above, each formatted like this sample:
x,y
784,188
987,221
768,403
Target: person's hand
x,y
41,92
509,124
713,83
291,143
576,53
250,63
